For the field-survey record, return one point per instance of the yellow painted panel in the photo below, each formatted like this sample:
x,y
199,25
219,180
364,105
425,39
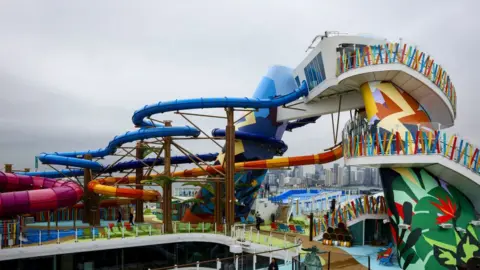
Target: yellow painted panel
x,y
278,162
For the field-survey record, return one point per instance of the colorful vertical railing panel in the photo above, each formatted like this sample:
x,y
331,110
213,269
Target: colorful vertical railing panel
x,y
408,55
362,143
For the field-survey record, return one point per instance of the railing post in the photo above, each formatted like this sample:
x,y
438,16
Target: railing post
x,y
215,228
76,235
1,240
39,238
368,262
188,227
236,262
198,265
270,250
225,229
58,236
251,232
93,234
150,230
108,233
328,265
219,264
123,232
203,227
136,231
258,236
254,259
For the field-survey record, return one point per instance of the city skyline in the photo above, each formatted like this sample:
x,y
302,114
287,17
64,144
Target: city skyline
x,y
337,175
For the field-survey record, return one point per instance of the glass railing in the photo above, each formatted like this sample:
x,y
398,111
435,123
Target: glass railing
x,y
363,140
404,54
30,236
262,260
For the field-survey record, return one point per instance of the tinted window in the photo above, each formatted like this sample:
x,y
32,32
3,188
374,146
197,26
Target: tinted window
x,y
315,72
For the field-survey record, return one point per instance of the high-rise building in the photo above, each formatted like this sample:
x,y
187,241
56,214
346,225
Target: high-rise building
x,y
352,177
340,177
335,173
298,172
368,177
346,176
360,176
319,171
328,177
281,180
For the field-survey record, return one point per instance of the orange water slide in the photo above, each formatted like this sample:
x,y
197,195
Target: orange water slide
x,y
331,155
104,186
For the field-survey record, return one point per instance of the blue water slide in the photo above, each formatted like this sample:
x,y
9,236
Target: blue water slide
x,y
202,103
74,159
126,165
277,144
70,158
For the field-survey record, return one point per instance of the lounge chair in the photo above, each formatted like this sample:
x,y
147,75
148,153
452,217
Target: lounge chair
x,y
182,227
299,229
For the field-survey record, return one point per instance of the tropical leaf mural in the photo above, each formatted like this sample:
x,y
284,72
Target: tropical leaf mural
x,y
422,201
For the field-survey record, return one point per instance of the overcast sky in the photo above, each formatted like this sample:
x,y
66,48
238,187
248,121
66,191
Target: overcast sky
x,y
72,73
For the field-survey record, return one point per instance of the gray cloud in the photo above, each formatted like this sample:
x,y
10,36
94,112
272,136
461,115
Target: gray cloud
x,y
72,73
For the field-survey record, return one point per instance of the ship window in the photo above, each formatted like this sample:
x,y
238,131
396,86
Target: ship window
x,y
315,72
297,80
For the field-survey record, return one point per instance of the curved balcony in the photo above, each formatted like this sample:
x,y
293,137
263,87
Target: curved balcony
x,y
412,70
448,156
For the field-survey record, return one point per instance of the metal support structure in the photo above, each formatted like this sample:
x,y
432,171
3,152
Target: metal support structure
x,y
230,169
335,129
203,132
91,200
218,203
310,237
138,179
167,188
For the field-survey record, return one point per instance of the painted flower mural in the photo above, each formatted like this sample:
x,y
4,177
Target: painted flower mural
x,y
422,201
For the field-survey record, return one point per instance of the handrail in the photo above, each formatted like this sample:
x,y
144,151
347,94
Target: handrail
x,y
369,140
409,55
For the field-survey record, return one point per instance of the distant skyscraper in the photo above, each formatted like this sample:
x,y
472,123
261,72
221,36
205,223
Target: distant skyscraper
x,y
348,175
360,176
298,172
328,177
335,173
281,180
352,178
340,177
319,171
368,177
345,176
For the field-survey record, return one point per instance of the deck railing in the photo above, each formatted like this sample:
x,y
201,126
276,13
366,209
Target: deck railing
x,y
404,54
31,236
363,140
350,211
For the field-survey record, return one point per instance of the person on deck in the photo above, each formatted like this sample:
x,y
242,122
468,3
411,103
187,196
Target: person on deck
x,y
119,216
273,265
131,217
